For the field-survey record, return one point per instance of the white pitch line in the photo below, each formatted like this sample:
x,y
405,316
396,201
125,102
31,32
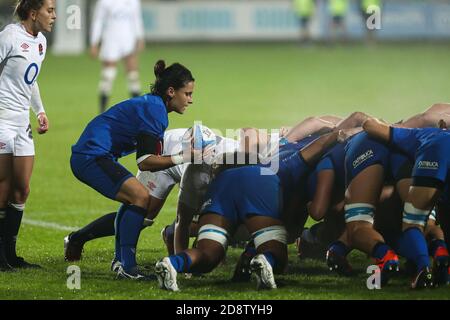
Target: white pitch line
x,y
49,225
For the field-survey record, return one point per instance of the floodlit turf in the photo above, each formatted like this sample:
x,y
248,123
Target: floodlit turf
x,y
237,86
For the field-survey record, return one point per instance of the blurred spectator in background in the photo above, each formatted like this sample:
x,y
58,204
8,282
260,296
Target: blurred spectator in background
x,y
6,12
117,34
305,10
338,10
367,12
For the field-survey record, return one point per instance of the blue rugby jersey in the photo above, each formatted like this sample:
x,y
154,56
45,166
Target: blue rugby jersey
x,y
115,131
409,140
332,160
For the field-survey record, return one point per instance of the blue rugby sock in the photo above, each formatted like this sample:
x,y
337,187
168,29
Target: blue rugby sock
x,y
435,244
129,230
250,251
339,248
380,250
170,230
119,216
270,258
412,245
181,262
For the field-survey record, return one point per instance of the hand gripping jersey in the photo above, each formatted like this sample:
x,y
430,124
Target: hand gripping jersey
x,y
21,57
160,183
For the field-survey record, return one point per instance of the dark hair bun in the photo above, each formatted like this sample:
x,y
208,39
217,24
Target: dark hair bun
x,y
159,68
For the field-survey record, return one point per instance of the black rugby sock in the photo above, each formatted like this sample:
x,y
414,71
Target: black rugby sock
x,y
103,102
2,234
102,227
13,221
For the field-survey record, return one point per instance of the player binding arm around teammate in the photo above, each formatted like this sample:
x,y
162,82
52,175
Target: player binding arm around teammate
x,y
369,160
22,51
244,194
135,125
429,147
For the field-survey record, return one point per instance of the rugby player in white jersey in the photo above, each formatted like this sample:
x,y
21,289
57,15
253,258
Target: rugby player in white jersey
x,y
22,51
117,33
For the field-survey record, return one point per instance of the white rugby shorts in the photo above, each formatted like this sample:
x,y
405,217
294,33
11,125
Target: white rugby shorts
x,y
159,184
16,140
116,50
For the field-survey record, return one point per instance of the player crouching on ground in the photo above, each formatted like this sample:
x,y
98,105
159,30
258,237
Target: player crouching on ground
x,y
430,149
245,195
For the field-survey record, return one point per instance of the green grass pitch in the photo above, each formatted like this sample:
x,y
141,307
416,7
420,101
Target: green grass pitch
x,y
259,85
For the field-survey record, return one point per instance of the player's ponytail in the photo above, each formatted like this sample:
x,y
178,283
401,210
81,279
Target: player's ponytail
x,y
176,76
24,7
159,68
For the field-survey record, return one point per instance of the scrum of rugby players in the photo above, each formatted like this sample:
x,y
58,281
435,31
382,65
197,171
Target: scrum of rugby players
x,y
362,190
372,192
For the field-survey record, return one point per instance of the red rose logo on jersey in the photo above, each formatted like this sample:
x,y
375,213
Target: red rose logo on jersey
x,y
41,49
2,146
24,47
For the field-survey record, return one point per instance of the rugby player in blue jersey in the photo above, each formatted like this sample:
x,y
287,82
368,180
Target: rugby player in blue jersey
x,y
429,148
135,125
244,194
322,191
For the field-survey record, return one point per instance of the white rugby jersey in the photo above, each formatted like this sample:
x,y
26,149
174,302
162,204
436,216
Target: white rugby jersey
x,y
193,186
115,20
172,145
21,56
196,178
